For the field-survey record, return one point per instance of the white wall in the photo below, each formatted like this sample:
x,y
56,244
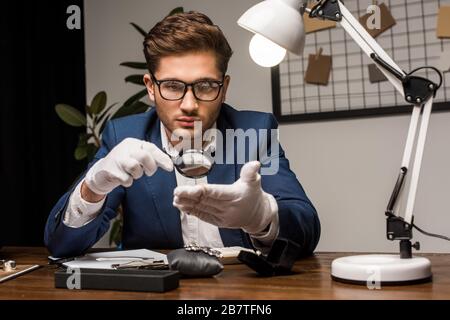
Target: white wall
x,y
347,167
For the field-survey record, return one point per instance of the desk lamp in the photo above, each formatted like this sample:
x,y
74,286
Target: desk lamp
x,y
278,25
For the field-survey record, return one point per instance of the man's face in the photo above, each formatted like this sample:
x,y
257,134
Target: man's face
x,y
180,114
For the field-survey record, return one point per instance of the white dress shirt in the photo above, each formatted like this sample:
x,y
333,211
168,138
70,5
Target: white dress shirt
x,y
194,230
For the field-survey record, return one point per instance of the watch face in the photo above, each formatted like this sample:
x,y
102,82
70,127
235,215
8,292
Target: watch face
x,y
193,163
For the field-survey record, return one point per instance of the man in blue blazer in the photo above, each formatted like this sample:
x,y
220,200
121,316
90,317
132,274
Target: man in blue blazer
x,y
235,205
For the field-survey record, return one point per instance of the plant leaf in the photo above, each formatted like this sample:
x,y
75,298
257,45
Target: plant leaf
x,y
80,152
136,97
136,79
103,115
70,115
88,110
125,110
83,138
103,126
91,150
98,103
176,10
135,65
116,232
139,29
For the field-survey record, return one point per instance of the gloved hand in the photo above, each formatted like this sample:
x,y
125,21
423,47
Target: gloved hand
x,y
127,161
242,204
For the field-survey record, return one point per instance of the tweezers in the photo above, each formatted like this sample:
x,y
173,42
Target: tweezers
x,y
142,264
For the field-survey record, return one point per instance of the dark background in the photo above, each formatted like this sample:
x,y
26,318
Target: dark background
x,y
42,64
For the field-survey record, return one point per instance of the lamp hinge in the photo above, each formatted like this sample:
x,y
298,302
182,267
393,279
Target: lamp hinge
x,y
327,10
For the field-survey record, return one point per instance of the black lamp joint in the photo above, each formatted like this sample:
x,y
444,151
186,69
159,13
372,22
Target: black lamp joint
x,y
327,10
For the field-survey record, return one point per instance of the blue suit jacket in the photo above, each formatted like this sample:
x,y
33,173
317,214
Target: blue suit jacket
x,y
151,221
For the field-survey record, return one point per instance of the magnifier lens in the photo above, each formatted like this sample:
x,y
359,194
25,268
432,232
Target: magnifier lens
x,y
193,163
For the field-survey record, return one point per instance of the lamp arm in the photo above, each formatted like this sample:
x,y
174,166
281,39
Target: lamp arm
x,y
415,90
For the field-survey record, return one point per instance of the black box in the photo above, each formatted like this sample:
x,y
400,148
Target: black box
x,y
123,280
279,261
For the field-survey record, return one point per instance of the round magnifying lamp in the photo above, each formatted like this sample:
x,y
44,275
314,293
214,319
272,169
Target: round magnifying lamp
x,y
279,23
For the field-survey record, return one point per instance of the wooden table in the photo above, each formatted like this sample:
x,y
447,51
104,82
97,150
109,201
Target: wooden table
x,y
310,281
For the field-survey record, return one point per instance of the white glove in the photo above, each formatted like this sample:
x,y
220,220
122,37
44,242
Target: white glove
x,y
242,204
126,162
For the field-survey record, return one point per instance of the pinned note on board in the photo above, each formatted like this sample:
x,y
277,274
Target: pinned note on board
x,y
375,75
319,68
443,22
443,63
377,20
315,24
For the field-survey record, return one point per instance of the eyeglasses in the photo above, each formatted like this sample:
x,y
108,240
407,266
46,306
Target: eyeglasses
x,y
204,90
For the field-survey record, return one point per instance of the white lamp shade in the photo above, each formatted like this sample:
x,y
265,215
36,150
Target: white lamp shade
x,y
279,21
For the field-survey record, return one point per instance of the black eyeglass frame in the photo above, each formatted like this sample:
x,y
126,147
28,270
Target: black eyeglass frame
x,y
186,86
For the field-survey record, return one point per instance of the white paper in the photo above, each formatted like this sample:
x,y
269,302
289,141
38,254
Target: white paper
x,y
444,61
104,260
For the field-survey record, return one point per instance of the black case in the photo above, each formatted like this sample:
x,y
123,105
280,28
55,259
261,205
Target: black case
x,y
279,261
123,280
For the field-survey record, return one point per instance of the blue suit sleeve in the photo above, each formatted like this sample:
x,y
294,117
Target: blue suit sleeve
x,y
64,241
298,219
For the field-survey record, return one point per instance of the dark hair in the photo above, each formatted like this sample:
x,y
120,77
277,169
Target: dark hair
x,y
186,32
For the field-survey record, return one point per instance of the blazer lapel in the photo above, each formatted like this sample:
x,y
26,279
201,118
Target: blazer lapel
x,y
161,185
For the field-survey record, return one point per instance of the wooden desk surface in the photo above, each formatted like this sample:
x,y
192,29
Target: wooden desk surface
x,y
310,281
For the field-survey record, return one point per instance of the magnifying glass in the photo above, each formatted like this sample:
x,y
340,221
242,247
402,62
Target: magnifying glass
x,y
193,163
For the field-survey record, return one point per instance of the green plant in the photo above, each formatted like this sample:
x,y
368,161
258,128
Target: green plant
x,y
95,119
